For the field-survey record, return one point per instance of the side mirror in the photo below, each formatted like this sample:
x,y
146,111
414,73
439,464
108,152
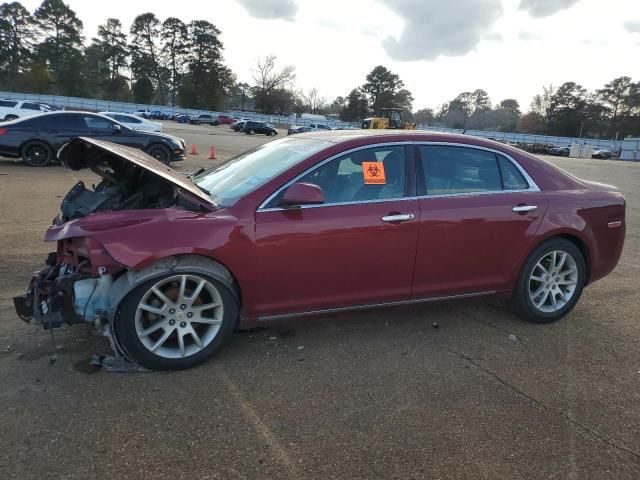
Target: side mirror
x,y
116,128
302,194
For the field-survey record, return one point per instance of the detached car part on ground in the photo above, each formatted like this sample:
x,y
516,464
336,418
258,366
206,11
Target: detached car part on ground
x,y
168,266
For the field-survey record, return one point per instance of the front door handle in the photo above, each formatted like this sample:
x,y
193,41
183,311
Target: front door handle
x,y
398,218
522,209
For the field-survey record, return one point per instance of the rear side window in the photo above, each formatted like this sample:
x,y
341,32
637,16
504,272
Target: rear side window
x,y
31,106
455,170
67,121
451,170
512,178
7,103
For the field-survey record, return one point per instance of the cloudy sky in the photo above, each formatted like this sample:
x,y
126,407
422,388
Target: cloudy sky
x,y
511,48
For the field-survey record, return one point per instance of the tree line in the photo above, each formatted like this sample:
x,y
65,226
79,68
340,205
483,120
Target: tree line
x,y
168,62
171,62
569,110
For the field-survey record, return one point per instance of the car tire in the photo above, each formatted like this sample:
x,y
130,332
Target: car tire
x,y
37,153
153,340
10,117
252,131
160,152
551,282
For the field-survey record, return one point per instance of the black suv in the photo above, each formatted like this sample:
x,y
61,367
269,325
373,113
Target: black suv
x,y
259,127
204,118
38,138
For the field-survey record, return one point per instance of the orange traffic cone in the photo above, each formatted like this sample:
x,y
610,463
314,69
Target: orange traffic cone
x,y
212,153
194,149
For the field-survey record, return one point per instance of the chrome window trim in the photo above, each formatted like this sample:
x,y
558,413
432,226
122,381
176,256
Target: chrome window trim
x,y
533,187
262,207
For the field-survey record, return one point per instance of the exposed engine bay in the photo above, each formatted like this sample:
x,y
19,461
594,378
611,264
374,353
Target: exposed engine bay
x,y
124,186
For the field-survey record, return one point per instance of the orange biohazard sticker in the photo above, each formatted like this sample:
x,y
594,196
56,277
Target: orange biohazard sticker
x,y
374,173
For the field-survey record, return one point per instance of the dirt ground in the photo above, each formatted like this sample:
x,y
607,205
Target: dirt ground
x,y
379,394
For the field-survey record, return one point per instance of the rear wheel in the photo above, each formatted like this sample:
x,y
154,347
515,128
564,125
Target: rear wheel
x,y
37,153
551,282
252,131
159,152
176,321
10,117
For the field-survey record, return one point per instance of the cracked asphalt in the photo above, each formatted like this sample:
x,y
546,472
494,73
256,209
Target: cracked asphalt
x,y
378,394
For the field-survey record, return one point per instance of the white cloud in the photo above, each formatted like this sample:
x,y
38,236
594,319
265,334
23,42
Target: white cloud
x,y
544,8
632,26
528,36
271,9
433,28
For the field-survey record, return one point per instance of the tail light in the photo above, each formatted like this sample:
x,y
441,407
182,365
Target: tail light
x,y
3,131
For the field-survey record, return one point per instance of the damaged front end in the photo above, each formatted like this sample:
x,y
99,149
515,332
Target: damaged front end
x,y
76,284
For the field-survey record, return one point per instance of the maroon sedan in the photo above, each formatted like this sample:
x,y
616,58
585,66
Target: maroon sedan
x,y
169,265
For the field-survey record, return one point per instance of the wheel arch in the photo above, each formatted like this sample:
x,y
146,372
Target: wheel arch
x,y
174,264
572,237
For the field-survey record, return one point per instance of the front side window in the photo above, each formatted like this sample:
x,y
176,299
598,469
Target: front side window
x,y
364,175
450,170
230,181
98,123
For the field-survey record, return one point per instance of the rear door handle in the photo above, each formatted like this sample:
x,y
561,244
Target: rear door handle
x,y
524,208
398,218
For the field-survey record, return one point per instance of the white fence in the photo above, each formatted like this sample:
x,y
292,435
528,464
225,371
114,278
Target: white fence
x,y
630,149
77,103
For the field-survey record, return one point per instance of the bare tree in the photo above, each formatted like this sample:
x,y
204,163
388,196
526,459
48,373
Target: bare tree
x,y
313,101
268,78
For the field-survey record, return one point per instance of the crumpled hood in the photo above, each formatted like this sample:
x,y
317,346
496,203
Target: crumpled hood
x,y
82,152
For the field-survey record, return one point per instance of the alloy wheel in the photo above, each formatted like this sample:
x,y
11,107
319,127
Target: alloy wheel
x,y
553,281
179,316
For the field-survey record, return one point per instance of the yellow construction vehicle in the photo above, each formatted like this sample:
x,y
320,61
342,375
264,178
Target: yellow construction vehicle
x,y
389,118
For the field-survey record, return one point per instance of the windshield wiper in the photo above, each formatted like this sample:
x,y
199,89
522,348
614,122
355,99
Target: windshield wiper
x,y
196,173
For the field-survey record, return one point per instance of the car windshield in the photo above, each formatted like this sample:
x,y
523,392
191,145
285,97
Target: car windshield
x,y
228,182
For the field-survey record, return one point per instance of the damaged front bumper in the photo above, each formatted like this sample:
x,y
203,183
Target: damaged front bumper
x,y
62,293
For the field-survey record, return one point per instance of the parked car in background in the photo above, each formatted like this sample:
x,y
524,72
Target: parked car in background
x,y
37,139
602,153
142,113
158,115
560,151
293,130
313,224
134,122
265,128
205,118
52,108
12,109
181,118
226,119
320,126
238,126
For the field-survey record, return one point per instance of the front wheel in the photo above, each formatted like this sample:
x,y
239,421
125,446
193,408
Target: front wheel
x,y
37,153
176,321
551,282
160,152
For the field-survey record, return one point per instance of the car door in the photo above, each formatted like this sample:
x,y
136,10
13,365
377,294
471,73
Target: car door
x,y
356,248
479,213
